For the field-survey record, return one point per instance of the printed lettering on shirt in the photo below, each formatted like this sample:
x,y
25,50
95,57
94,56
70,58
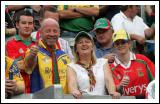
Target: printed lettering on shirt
x,y
133,89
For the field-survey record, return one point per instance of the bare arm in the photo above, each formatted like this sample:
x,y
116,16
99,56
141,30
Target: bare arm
x,y
31,59
69,14
72,83
139,39
110,83
91,11
16,7
80,12
109,80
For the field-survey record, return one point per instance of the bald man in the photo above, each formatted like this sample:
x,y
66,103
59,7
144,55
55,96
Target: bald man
x,y
45,61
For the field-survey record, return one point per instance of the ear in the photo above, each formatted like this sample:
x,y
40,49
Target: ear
x,y
17,25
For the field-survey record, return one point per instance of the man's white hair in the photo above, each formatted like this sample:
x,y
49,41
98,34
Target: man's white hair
x,y
50,21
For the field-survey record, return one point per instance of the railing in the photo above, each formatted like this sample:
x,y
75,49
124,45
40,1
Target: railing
x,y
55,92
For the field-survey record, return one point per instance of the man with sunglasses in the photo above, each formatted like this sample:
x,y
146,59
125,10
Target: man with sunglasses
x,y
131,72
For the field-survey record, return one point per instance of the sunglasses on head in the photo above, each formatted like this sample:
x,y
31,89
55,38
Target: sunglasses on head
x,y
120,42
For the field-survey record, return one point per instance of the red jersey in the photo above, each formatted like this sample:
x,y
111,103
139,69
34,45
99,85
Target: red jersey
x,y
16,49
140,72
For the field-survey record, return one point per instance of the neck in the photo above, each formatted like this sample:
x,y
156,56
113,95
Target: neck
x,y
85,59
24,38
128,15
124,58
107,45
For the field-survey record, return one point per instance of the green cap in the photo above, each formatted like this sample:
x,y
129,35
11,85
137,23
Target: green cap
x,y
102,23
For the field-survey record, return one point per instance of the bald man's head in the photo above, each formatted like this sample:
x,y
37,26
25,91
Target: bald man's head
x,y
49,21
50,31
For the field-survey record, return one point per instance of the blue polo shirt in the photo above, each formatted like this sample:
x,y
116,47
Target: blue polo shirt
x,y
100,52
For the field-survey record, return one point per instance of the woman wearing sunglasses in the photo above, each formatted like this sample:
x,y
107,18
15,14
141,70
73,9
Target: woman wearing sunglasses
x,y
131,72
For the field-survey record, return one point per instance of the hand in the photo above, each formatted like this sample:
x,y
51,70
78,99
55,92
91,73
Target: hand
x,y
10,87
115,95
21,64
110,57
77,94
34,50
125,81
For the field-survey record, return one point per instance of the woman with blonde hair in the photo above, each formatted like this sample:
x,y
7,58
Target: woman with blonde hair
x,y
88,75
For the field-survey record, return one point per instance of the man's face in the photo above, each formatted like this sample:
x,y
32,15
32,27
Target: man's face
x,y
25,25
104,36
134,10
50,33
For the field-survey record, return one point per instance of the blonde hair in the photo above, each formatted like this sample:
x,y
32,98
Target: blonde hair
x,y
93,57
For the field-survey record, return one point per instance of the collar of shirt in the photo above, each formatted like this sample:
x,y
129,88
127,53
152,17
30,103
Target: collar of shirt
x,y
126,18
118,62
26,42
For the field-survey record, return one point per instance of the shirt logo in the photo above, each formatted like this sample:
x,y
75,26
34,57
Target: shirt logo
x,y
21,51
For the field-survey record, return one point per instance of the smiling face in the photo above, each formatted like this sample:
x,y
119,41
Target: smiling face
x,y
25,25
122,46
50,32
84,46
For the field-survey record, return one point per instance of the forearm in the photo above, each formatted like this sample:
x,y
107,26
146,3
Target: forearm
x,y
92,11
68,14
30,63
16,7
138,38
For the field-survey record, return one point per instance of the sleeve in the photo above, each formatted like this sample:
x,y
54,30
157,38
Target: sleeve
x,y
11,51
117,23
150,65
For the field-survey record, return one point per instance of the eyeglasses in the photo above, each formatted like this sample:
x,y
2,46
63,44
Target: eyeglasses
x,y
121,42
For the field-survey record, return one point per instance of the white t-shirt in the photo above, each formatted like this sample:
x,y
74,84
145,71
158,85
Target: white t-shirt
x,y
83,79
137,26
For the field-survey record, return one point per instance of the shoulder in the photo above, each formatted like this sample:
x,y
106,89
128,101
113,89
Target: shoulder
x,y
101,61
141,57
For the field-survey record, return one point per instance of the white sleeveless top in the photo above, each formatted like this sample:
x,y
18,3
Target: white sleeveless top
x,y
83,79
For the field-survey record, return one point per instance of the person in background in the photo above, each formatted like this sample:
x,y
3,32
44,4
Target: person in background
x,y
103,44
88,75
76,18
150,90
130,71
128,20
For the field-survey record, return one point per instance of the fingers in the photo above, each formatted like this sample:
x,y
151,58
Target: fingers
x,y
77,94
34,50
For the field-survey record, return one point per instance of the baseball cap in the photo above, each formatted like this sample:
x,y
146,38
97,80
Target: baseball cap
x,y
102,23
83,34
120,34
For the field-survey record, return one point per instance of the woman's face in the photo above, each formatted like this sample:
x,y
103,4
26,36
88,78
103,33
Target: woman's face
x,y
84,46
122,46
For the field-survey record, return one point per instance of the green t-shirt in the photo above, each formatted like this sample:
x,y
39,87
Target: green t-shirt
x,y
77,24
